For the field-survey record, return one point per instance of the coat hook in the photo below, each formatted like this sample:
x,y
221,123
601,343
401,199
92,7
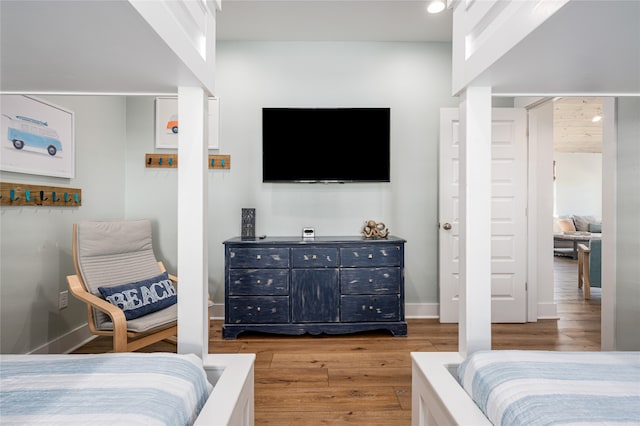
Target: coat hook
x,y
171,161
42,196
222,162
149,161
66,197
213,162
160,161
54,197
12,195
27,195
76,198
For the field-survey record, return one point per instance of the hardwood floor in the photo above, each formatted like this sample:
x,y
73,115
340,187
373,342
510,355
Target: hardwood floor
x,y
365,378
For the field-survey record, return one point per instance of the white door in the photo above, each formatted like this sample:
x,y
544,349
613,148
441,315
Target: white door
x,y
508,215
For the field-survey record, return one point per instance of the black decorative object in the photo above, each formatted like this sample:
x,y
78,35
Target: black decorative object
x,y
248,224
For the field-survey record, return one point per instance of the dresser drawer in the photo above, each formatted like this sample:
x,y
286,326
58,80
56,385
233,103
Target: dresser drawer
x,y
314,257
370,308
384,280
258,309
274,257
373,255
258,282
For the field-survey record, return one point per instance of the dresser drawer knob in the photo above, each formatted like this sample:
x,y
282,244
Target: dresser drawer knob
x,y
314,257
258,282
258,309
371,308
370,280
258,257
370,256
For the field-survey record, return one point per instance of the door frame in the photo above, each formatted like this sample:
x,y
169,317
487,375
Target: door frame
x,y
609,190
540,208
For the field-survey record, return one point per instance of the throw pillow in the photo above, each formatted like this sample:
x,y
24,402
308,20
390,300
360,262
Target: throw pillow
x,y
582,222
566,225
142,297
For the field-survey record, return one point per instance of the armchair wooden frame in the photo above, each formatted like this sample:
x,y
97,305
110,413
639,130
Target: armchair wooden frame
x,y
584,279
123,340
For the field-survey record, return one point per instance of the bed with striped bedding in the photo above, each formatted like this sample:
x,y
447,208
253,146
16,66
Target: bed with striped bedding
x,y
104,389
554,388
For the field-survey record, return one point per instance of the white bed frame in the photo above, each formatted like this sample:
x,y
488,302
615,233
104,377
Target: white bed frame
x,y
436,396
231,401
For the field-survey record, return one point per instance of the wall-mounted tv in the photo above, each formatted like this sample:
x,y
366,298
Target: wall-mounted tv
x,y
326,144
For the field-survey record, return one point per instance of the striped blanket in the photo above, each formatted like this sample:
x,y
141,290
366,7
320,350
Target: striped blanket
x,y
104,389
554,388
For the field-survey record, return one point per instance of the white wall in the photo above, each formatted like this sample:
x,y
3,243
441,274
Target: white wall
x,y
578,184
411,78
36,241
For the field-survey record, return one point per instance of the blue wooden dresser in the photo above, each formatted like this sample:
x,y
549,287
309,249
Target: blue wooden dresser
x,y
332,285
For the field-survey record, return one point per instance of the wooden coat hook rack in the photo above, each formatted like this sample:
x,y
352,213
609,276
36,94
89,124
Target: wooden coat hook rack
x,y
170,161
21,194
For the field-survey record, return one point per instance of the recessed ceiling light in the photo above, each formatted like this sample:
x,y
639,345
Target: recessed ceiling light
x,y
436,6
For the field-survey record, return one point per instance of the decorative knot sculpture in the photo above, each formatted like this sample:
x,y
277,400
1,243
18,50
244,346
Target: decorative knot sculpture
x,y
374,230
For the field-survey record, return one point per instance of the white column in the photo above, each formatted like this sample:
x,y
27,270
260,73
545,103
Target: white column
x,y
474,331
193,271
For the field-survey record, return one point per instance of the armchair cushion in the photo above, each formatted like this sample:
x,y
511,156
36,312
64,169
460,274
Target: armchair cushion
x,y
141,297
147,323
113,253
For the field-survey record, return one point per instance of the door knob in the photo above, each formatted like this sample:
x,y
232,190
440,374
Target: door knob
x,y
446,226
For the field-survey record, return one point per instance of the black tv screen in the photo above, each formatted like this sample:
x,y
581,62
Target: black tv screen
x,y
325,144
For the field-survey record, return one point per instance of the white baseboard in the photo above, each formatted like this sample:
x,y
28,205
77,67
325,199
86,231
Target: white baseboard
x,y
548,311
67,342
217,311
422,310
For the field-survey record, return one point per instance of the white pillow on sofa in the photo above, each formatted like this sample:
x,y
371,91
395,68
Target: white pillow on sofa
x,y
582,222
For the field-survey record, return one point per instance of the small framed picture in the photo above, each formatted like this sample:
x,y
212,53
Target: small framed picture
x,y
37,137
168,126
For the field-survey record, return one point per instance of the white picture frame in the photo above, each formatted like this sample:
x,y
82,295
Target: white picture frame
x,y
37,137
167,123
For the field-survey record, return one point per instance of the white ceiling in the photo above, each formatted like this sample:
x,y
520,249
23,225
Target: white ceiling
x,y
84,46
98,46
104,46
587,47
331,20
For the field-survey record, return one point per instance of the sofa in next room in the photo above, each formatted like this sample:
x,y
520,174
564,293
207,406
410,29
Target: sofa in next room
x,y
569,231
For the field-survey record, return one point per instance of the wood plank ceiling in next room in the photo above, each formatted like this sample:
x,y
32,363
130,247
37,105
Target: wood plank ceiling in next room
x,y
574,129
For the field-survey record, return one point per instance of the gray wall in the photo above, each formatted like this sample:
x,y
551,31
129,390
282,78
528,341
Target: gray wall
x,y
628,226
411,78
36,241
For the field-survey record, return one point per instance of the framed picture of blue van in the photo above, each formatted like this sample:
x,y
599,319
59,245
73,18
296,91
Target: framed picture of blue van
x,y
37,137
168,124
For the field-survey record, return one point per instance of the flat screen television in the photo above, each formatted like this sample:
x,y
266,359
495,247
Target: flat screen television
x,y
326,145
